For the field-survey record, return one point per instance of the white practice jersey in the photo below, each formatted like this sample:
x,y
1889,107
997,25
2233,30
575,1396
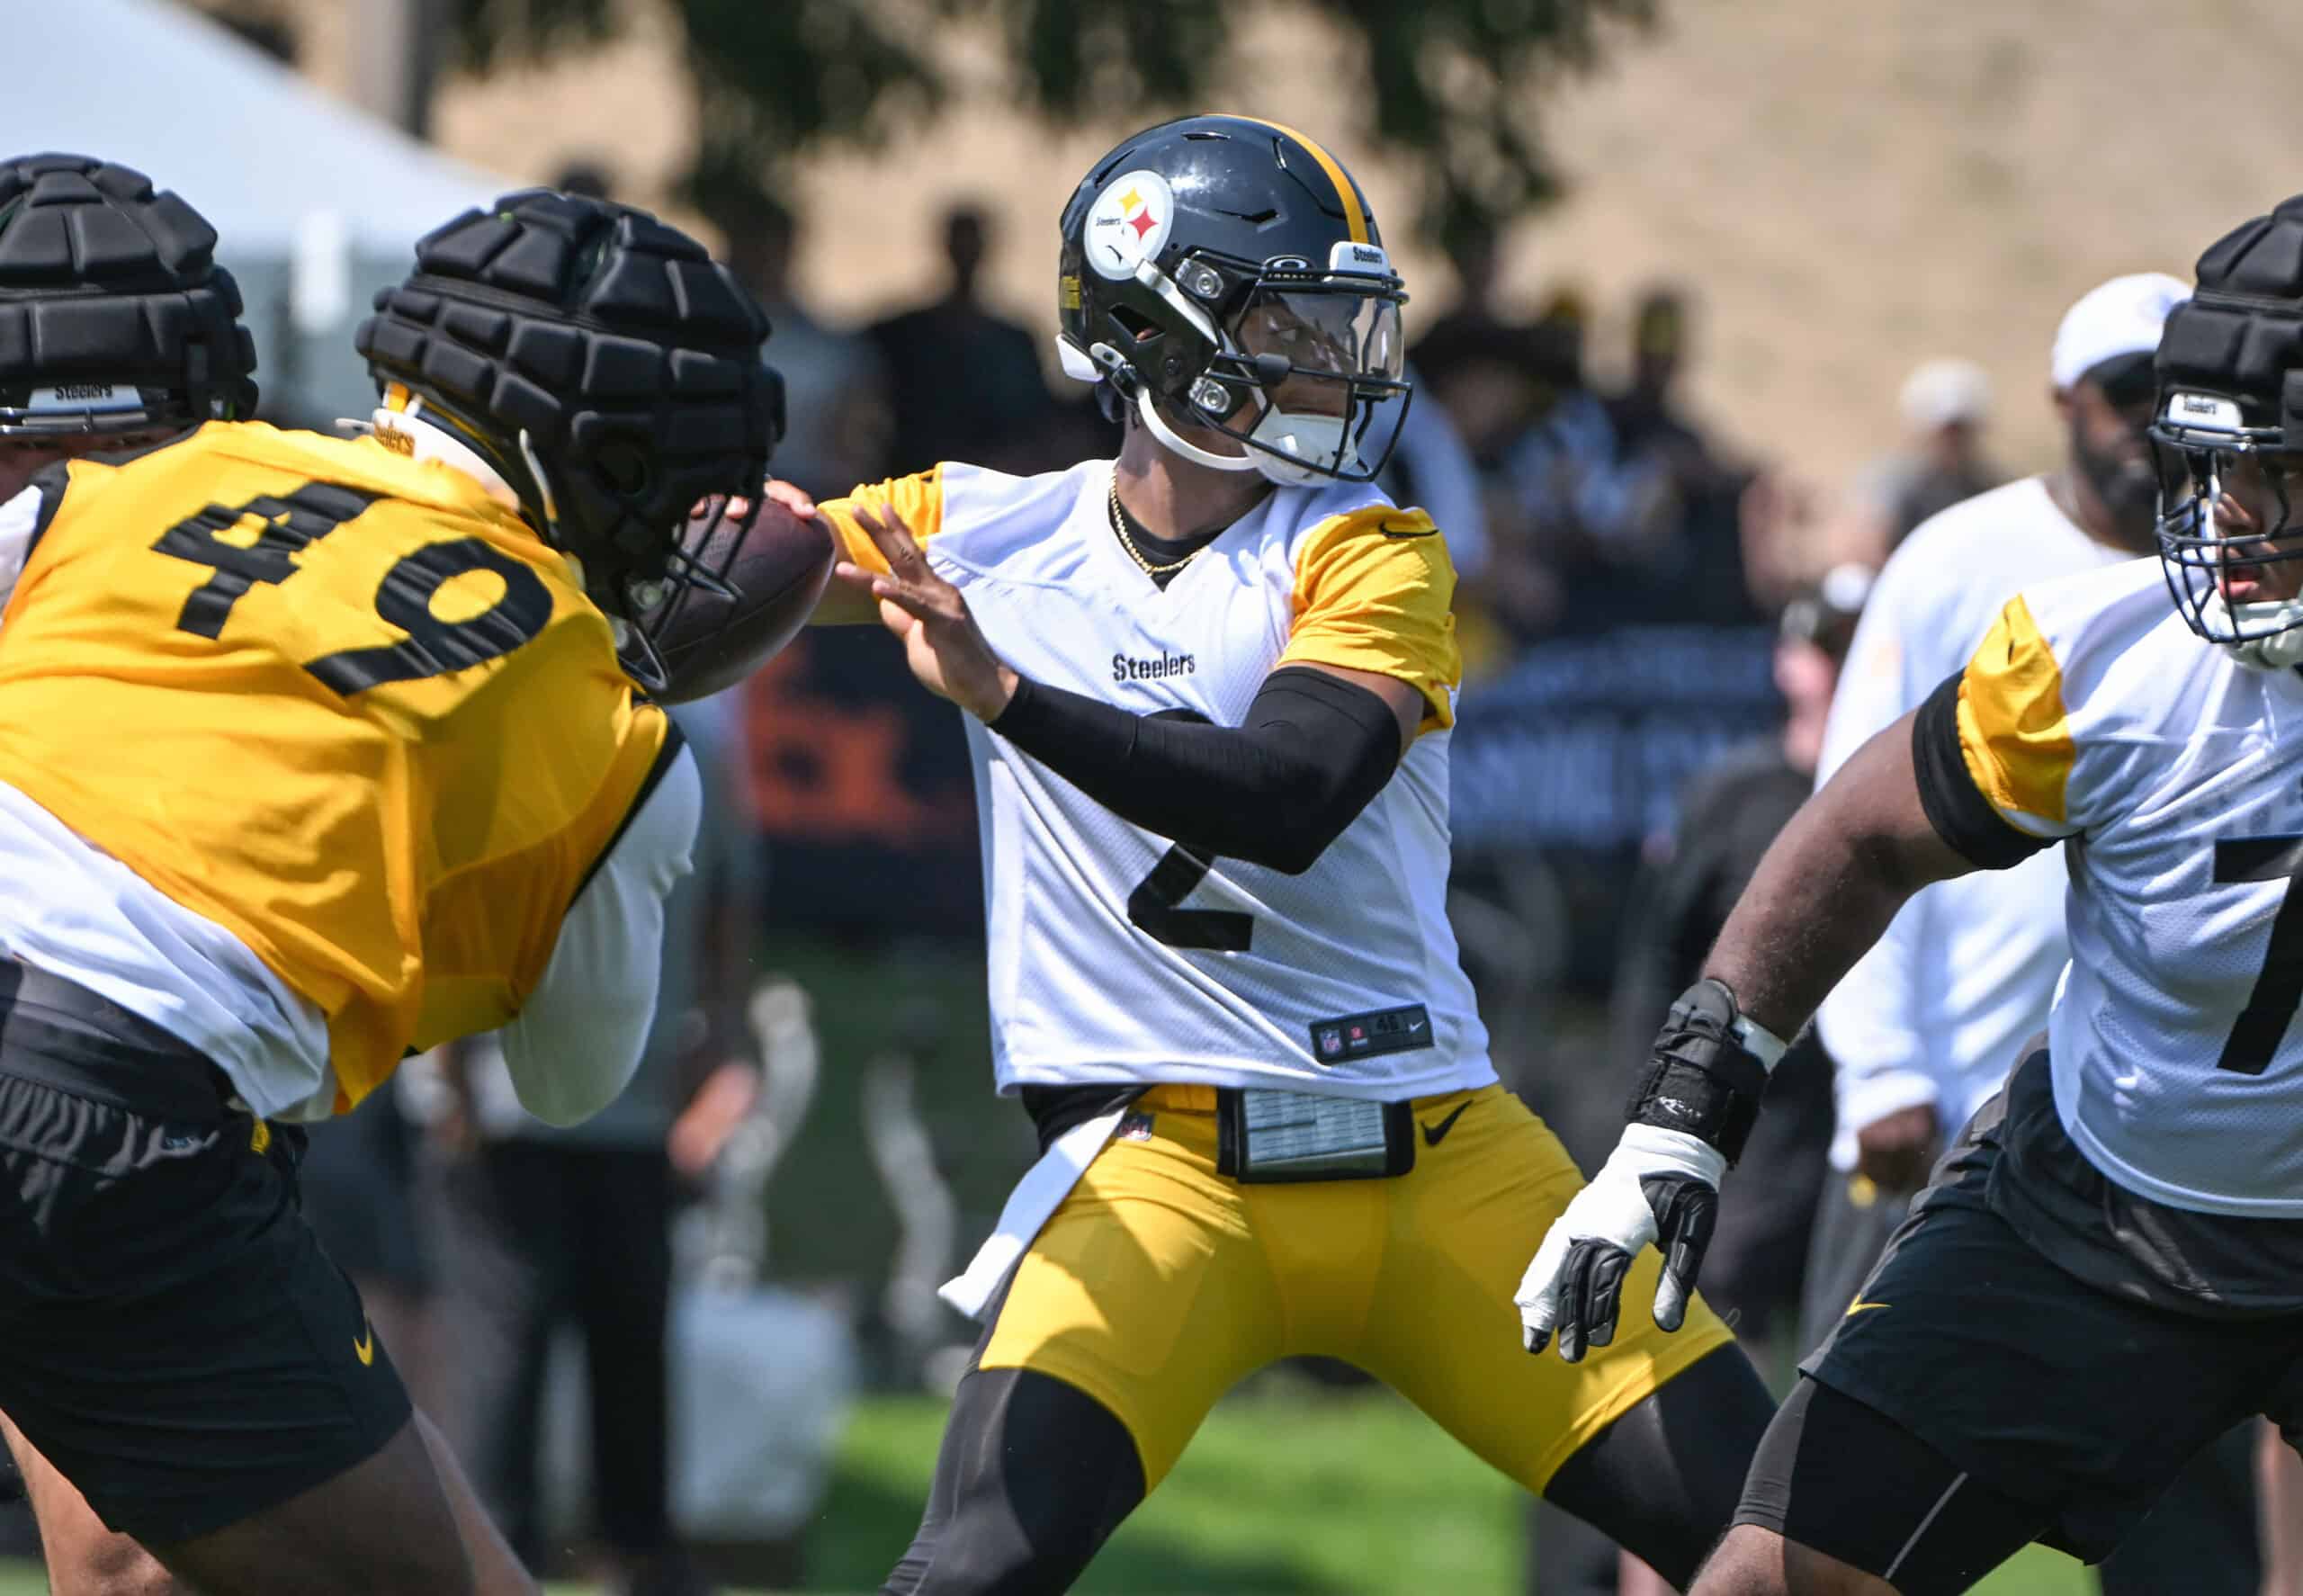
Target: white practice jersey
x,y
1937,1012
1117,955
2091,712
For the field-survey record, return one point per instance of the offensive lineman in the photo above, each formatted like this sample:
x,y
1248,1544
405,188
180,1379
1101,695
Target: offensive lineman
x,y
2104,1273
312,752
1209,688
1926,1024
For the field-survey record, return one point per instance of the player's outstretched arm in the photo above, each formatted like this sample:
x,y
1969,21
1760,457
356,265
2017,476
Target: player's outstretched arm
x,y
1826,890
1317,744
1821,896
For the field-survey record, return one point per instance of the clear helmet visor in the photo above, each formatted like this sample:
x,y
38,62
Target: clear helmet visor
x,y
1325,334
1314,367
2229,541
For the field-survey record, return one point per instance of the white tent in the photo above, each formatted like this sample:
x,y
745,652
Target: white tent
x,y
250,144
317,203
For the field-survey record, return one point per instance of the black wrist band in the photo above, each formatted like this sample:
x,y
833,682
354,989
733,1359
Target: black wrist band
x,y
1699,1078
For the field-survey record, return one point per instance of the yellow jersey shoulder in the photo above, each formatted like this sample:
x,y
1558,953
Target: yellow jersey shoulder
x,y
1375,591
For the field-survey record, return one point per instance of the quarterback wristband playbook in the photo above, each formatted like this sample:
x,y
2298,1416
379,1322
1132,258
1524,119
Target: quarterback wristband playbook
x,y
1707,1070
1264,1135
1274,790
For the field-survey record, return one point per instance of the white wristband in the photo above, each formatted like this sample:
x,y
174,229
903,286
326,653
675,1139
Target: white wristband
x,y
1757,1040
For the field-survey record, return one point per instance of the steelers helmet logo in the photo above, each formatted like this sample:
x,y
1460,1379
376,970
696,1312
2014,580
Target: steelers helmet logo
x,y
1128,223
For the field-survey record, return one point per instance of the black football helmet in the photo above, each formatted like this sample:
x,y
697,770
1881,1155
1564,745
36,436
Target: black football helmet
x,y
609,370
1228,272
2228,440
114,318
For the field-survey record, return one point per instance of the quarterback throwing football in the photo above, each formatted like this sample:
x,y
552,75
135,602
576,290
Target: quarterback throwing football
x,y
1210,686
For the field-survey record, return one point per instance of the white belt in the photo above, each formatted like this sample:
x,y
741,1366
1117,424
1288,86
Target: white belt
x,y
1036,1197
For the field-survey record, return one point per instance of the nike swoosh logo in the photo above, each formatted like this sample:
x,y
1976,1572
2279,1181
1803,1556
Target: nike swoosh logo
x,y
1432,1132
1390,531
1860,1307
364,1349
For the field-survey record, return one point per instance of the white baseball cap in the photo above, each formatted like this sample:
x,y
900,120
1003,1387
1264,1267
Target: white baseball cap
x,y
1939,392
2122,316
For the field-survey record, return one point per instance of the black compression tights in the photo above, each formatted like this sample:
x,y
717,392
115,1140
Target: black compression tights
x,y
1033,1476
1662,1480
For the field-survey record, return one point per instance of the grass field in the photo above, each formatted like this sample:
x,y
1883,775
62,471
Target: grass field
x,y
1282,1495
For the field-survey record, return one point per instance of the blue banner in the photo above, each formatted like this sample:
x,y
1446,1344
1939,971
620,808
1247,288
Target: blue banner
x,y
1587,743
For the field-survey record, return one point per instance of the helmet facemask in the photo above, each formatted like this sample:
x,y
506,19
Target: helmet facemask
x,y
2229,544
1304,364
1291,362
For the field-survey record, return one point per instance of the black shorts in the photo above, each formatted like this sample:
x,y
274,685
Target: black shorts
x,y
2074,1405
172,1336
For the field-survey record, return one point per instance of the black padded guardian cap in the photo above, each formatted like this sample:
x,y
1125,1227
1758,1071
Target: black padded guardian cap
x,y
2230,415
607,367
2240,335
114,318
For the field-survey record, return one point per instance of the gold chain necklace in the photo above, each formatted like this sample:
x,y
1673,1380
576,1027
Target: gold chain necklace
x,y
1119,525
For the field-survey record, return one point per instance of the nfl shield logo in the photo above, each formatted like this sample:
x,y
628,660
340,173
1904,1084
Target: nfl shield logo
x,y
1330,1040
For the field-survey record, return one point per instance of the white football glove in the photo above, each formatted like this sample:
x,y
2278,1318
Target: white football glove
x,y
1660,1186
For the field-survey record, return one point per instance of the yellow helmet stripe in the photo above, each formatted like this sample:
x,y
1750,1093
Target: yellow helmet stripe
x,y
1355,214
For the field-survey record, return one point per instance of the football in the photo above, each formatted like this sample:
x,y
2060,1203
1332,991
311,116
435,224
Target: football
x,y
778,565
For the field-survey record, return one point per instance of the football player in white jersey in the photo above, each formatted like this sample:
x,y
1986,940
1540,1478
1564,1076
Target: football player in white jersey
x,y
2107,1270
1923,1029
1209,689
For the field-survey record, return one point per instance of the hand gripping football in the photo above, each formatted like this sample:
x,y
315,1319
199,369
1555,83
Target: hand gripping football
x,y
778,565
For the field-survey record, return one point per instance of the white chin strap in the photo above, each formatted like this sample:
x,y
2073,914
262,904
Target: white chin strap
x,y
2276,649
1172,440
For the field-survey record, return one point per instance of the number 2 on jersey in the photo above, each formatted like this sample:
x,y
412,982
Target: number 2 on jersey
x,y
2279,987
433,648
1155,906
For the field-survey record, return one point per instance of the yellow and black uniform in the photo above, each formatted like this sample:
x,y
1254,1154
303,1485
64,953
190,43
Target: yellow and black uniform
x,y
307,747
355,711
1140,986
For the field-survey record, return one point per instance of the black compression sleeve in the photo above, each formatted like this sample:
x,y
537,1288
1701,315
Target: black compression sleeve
x,y
1961,815
1274,790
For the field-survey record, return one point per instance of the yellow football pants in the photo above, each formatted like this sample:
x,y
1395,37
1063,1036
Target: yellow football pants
x,y
1159,1283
